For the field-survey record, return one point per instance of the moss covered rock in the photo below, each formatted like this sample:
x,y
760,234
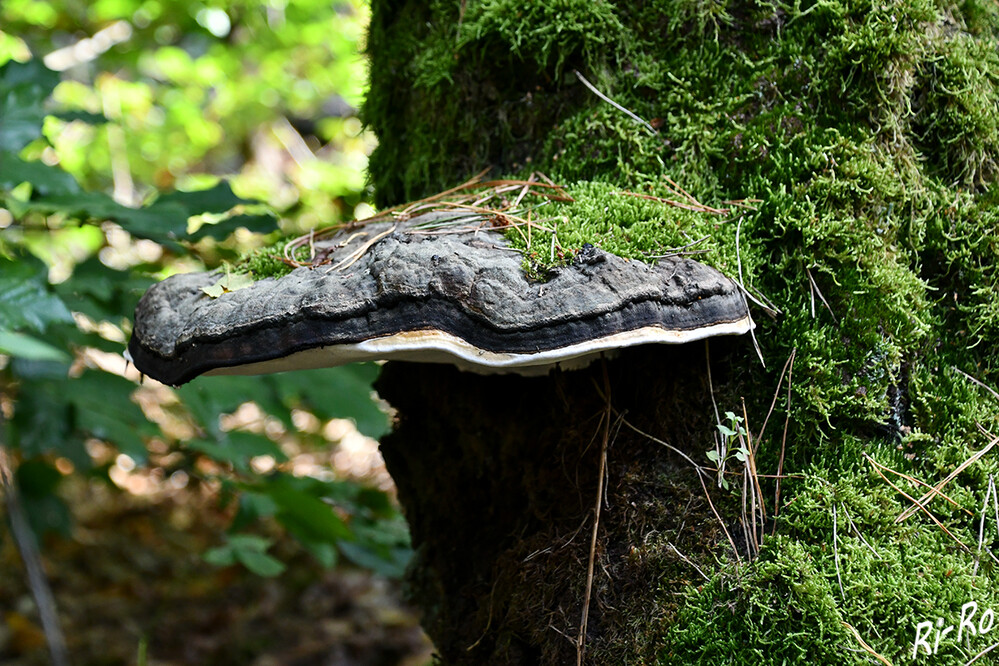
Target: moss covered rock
x,y
860,142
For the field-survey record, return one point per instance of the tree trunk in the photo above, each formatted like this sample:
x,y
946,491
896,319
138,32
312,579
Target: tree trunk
x,y
498,476
836,158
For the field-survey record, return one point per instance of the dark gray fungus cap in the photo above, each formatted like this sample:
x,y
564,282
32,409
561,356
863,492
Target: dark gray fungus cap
x,y
460,298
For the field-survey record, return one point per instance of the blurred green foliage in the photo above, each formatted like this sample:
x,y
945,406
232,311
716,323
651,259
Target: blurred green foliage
x,y
118,119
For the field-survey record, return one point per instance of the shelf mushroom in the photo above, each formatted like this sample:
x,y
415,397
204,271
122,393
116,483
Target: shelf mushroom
x,y
496,474
443,298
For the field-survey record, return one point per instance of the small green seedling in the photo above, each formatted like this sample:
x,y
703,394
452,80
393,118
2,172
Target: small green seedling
x,y
724,450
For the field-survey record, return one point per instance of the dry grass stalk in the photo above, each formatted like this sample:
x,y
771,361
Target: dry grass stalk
x,y
814,289
867,648
936,521
993,493
936,490
605,442
493,204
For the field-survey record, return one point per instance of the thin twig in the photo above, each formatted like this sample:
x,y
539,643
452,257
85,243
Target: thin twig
x,y
752,460
975,381
742,285
693,205
936,490
935,520
617,106
981,523
349,260
821,297
773,403
688,561
981,654
606,422
857,532
711,391
863,644
783,440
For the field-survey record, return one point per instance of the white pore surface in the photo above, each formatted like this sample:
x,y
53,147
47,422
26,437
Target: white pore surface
x,y
433,346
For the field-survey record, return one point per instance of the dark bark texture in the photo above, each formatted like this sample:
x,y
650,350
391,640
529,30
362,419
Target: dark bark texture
x,y
498,479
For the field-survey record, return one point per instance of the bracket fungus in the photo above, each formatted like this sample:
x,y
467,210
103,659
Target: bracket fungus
x,y
496,474
460,298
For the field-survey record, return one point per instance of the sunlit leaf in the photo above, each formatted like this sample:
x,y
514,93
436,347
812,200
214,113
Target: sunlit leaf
x,y
228,282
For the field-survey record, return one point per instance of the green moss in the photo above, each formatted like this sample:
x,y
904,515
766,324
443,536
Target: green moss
x,y
266,262
870,134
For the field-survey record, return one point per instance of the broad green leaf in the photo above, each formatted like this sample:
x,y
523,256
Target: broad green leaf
x,y
44,179
222,556
217,199
42,421
249,542
389,562
164,222
48,514
725,430
343,392
25,297
37,478
28,347
305,511
261,564
23,91
261,224
104,409
102,293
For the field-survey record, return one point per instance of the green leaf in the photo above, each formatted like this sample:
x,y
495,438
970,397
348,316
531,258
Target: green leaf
x,y
304,511
726,431
261,224
104,409
250,551
37,478
100,292
217,199
27,347
44,179
229,282
249,542
261,564
713,456
23,91
237,448
222,556
25,298
163,221
390,563
343,392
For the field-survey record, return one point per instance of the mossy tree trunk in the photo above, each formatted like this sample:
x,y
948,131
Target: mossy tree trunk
x,y
862,140
499,476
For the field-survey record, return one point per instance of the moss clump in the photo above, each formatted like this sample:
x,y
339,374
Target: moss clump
x,y
628,224
265,262
870,134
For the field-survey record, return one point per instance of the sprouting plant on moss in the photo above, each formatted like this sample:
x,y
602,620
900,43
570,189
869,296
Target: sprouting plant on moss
x,y
730,444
